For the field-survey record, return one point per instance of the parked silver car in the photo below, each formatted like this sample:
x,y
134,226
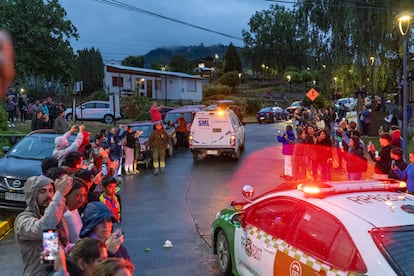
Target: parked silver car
x,y
94,111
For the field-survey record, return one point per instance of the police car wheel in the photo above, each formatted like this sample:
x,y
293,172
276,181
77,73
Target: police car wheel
x,y
223,253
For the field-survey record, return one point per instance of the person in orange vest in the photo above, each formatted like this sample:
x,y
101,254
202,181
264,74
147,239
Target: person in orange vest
x,y
109,197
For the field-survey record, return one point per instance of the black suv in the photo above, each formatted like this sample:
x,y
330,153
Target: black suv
x,y
22,161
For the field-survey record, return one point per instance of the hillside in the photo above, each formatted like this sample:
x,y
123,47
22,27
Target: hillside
x,y
163,55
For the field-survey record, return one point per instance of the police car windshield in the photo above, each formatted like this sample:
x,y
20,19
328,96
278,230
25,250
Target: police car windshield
x,y
397,246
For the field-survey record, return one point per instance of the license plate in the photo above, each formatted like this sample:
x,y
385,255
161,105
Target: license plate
x,y
216,129
212,152
261,118
14,196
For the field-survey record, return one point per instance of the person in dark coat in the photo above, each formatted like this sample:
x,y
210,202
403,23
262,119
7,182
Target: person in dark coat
x,y
383,158
354,158
37,121
396,158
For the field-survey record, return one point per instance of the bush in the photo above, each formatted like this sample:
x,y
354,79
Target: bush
x,y
253,105
210,90
135,107
3,119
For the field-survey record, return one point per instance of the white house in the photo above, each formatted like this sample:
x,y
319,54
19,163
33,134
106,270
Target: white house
x,y
154,84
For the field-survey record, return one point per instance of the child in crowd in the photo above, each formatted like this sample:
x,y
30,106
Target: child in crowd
x,y
396,157
408,174
109,197
288,142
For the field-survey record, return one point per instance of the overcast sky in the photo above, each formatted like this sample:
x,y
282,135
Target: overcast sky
x,y
119,32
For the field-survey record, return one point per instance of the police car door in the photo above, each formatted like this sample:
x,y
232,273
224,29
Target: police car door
x,y
264,229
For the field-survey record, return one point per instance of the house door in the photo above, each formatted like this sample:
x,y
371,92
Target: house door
x,y
149,89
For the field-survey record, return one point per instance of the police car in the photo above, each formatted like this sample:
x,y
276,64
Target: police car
x,y
331,228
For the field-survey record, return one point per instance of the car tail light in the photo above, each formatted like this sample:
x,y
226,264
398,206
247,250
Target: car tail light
x,y
233,140
268,113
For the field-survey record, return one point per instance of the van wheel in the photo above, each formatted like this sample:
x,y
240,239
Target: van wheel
x,y
243,146
195,156
236,155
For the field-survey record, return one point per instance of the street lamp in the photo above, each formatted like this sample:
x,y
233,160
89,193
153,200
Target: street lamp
x,y
263,68
240,76
335,80
404,21
372,60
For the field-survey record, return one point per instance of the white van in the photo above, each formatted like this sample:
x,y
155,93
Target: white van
x,y
216,132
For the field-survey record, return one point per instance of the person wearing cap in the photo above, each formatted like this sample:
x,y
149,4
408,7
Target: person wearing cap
x,y
97,222
62,147
45,201
159,141
383,158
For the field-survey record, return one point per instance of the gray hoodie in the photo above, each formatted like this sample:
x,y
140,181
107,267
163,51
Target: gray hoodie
x,y
29,225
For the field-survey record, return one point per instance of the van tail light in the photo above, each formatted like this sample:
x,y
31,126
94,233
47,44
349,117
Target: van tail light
x,y
233,140
190,140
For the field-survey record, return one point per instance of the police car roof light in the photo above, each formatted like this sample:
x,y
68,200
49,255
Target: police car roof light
x,y
318,189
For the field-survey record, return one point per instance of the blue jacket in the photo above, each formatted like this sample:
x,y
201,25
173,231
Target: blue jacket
x,y
408,174
288,142
96,212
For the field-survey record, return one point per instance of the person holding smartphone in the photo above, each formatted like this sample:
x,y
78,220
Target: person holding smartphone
x,y
45,201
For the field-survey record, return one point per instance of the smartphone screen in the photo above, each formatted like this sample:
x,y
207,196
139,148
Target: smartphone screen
x,y
50,245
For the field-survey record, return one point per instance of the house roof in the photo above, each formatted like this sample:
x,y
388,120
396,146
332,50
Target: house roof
x,y
148,72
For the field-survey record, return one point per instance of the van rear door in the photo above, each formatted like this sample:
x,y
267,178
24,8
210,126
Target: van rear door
x,y
210,130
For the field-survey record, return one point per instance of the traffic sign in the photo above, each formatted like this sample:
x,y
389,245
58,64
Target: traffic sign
x,y
312,94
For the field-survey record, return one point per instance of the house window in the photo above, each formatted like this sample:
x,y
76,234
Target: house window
x,y
118,81
191,86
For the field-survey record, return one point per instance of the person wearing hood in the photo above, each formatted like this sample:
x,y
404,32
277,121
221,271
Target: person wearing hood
x,y
45,201
97,222
288,143
62,147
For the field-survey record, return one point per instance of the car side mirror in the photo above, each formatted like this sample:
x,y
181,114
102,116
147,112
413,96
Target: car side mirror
x,y
6,149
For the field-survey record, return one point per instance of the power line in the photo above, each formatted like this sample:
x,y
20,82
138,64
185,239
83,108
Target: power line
x,y
128,7
358,5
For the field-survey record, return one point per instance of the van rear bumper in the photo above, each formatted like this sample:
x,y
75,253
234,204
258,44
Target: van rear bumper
x,y
213,152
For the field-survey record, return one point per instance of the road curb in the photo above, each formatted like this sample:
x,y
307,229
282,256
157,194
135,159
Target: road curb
x,y
6,223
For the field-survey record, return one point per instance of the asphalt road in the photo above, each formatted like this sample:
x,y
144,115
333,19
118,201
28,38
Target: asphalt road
x,y
181,204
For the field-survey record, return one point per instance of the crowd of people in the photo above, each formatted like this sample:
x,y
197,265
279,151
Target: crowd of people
x,y
76,194
321,142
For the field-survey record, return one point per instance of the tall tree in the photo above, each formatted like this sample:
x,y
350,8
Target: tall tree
x,y
41,37
134,61
180,63
346,34
231,61
274,40
90,70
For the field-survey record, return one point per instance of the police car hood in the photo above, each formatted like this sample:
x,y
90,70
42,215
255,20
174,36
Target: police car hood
x,y
379,208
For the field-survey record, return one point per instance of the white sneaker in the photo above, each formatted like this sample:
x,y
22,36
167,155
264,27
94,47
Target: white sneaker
x,y
13,125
